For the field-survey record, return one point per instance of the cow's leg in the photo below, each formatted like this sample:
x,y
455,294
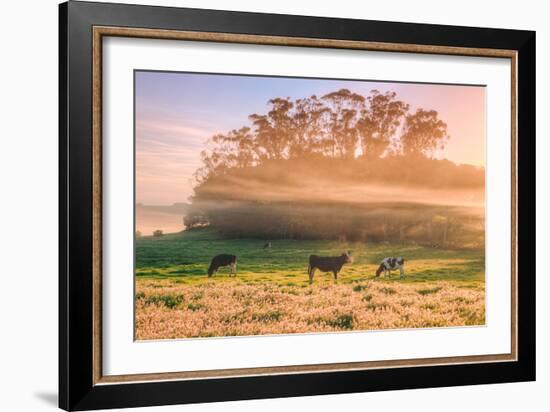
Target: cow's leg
x,y
335,274
401,272
234,269
311,274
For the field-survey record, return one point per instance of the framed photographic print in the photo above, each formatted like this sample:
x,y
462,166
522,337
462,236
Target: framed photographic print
x,y
257,205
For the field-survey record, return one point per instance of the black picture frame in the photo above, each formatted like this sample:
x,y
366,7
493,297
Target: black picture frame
x,y
77,390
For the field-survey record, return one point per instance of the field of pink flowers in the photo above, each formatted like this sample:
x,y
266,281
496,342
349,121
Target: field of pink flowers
x,y
168,308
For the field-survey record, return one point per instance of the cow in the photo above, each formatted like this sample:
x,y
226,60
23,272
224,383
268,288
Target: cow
x,y
223,260
328,264
267,245
391,263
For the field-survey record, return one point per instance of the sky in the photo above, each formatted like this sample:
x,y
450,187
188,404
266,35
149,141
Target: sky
x,y
176,113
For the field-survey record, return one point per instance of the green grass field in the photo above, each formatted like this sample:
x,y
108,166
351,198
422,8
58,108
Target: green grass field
x,y
271,292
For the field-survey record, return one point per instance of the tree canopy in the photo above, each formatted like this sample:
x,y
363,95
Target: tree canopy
x,y
341,124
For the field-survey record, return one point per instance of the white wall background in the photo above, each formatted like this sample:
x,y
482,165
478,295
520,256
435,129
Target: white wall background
x,y
28,204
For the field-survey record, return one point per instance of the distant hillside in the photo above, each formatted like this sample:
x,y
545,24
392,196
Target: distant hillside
x,y
168,218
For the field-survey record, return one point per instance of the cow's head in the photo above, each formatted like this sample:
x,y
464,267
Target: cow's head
x,y
348,256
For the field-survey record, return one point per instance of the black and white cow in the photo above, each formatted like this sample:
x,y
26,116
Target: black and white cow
x,y
389,264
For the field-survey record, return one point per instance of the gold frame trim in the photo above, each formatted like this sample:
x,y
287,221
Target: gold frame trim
x,y
101,31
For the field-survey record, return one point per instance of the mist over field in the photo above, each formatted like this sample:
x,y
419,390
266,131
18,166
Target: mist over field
x,y
329,198
396,198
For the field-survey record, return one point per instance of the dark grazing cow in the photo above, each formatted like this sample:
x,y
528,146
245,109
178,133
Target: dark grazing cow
x,y
391,263
328,264
223,260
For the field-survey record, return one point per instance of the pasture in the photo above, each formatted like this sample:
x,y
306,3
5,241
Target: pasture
x,y
271,293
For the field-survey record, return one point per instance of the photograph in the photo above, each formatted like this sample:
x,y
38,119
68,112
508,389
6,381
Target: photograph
x,y
281,205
